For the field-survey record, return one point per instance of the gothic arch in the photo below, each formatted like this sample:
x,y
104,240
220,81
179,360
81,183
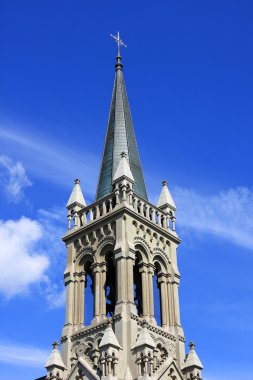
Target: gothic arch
x,y
84,256
143,251
160,261
106,245
161,252
105,255
97,339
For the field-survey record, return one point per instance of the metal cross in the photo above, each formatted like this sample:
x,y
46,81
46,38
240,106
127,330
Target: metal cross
x,y
118,41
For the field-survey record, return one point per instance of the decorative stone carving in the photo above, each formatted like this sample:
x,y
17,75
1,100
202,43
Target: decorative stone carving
x,y
172,374
84,250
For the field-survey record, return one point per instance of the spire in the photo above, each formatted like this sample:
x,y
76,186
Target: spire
x,y
120,137
55,359
192,359
109,339
76,197
165,199
144,339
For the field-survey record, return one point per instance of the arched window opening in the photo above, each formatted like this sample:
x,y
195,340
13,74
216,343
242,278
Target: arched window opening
x,y
110,286
89,295
137,287
157,295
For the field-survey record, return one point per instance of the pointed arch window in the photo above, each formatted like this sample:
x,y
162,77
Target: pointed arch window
x,y
110,285
89,295
137,285
157,295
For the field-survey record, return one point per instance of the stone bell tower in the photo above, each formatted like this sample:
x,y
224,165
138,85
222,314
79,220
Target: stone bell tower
x,y
126,247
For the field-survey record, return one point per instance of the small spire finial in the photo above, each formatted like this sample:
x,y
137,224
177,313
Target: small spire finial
x,y
164,182
77,181
144,324
118,41
123,155
55,345
192,346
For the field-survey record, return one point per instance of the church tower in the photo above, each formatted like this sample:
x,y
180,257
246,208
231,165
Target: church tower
x,y
122,250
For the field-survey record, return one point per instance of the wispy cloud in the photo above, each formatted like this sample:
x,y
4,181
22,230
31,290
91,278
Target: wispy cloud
x,y
227,215
19,354
49,160
13,179
55,296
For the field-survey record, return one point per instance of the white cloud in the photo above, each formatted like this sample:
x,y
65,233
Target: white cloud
x,y
19,354
14,178
228,215
32,254
21,264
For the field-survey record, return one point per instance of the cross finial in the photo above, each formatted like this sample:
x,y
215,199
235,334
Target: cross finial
x,y
118,41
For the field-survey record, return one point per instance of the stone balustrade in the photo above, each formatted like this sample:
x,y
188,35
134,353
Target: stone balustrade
x,y
100,208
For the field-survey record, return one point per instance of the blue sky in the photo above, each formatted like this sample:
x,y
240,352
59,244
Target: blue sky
x,y
189,74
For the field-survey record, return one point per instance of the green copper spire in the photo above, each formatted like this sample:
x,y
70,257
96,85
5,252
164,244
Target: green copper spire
x,y
120,138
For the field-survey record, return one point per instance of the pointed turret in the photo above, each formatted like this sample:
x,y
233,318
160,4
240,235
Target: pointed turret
x,y
120,137
54,365
144,340
110,352
193,365
123,169
76,198
109,339
165,200
144,351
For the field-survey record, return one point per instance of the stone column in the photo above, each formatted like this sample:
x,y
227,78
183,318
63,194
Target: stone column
x,y
121,278
69,302
176,304
163,296
138,362
76,298
102,290
96,295
81,298
170,304
130,279
144,281
151,294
